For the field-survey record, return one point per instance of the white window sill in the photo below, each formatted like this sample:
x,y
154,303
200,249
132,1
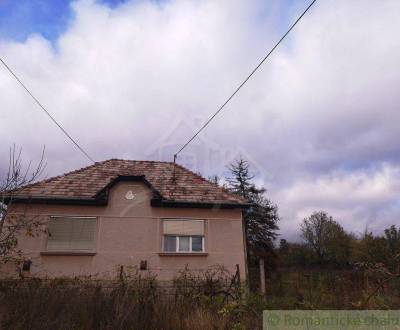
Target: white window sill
x,y
183,254
67,253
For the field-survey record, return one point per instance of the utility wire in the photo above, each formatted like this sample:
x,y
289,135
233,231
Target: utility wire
x,y
244,82
47,113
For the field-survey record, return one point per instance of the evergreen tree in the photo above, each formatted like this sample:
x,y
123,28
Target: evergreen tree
x,y
392,236
261,218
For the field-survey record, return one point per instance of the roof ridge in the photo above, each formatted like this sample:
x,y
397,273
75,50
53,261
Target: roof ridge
x,y
135,160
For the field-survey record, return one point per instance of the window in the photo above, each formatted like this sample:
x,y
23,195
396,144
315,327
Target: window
x,y
71,234
183,236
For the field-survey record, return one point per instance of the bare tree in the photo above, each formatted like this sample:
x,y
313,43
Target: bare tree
x,y
383,276
326,237
12,225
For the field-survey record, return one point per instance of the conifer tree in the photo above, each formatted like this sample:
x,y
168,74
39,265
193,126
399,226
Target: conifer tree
x,y
261,218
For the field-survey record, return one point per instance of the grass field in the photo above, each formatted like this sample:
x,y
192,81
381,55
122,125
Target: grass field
x,y
208,301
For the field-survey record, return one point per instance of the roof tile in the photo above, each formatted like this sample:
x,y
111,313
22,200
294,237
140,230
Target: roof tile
x,y
87,182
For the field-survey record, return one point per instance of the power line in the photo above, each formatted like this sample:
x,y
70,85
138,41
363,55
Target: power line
x,y
47,113
244,82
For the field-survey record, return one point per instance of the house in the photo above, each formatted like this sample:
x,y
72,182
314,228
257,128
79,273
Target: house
x,y
153,215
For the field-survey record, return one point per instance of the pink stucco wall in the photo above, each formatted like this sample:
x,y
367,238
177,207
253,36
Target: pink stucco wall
x,y
129,231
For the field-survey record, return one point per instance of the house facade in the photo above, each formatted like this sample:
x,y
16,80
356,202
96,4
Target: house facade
x,y
154,216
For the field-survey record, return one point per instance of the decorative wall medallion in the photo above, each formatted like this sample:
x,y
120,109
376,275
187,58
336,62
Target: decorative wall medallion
x,y
129,195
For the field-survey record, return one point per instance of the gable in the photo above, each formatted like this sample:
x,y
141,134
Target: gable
x,y
127,197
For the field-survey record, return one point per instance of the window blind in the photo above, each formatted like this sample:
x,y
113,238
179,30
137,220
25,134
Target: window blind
x,y
71,233
183,227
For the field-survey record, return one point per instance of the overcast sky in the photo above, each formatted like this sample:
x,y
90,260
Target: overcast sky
x,y
319,122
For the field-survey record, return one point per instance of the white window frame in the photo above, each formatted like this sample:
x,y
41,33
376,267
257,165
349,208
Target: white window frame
x,y
46,250
178,236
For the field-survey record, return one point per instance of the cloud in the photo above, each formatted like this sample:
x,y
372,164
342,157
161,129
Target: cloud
x,y
359,200
322,110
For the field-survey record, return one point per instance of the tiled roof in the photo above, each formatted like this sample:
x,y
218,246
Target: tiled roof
x,y
87,182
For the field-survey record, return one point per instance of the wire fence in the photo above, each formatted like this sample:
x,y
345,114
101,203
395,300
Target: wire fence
x,y
213,281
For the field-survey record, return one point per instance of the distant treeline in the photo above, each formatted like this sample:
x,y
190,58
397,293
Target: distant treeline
x,y
325,243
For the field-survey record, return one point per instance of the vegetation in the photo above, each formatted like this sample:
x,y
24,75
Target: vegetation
x,y
193,301
322,288
328,268
334,269
326,245
17,223
326,238
261,219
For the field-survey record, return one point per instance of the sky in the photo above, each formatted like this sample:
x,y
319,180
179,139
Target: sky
x,y
318,123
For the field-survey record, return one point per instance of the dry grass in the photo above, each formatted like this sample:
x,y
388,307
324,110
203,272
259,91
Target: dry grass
x,y
330,289
210,300
134,302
